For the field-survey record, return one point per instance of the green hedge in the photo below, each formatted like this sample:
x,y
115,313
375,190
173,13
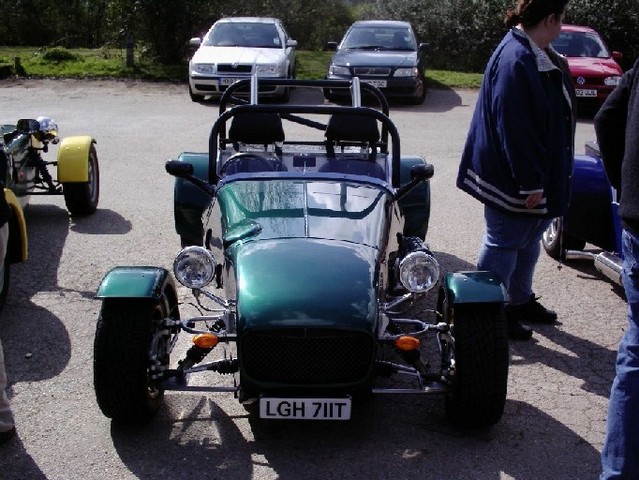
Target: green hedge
x,y
463,33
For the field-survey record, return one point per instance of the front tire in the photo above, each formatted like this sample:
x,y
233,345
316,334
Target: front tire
x,y
477,393
195,97
122,360
556,241
82,198
420,91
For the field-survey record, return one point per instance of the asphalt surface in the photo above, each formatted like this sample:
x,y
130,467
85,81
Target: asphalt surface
x,y
554,420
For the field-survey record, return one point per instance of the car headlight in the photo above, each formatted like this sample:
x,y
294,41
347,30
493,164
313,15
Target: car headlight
x,y
418,271
269,69
194,267
204,68
612,81
406,72
337,70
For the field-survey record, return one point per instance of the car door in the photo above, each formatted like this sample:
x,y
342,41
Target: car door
x,y
289,49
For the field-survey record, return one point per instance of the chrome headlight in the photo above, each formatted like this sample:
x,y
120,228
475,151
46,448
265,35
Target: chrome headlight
x,y
406,72
612,81
194,267
337,70
204,68
418,271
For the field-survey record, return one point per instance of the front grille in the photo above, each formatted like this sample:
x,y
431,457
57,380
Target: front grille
x,y
378,71
230,68
307,357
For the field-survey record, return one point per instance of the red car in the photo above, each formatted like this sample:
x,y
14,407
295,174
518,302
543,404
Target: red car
x,y
594,69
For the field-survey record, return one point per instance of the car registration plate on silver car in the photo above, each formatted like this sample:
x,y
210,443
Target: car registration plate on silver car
x,y
585,92
228,80
305,408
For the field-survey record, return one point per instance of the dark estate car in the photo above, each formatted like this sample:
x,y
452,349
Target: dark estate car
x,y
383,53
303,230
594,69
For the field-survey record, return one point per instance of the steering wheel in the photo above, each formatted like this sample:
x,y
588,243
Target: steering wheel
x,y
247,162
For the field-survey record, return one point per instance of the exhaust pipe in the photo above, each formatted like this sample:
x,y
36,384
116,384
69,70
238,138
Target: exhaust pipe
x,y
606,263
610,265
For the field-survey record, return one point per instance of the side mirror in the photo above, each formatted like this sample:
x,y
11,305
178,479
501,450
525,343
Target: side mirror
x,y
184,170
179,169
418,174
422,172
291,43
423,47
195,42
617,56
331,46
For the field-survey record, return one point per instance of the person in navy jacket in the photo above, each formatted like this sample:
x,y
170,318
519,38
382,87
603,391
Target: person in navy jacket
x,y
518,155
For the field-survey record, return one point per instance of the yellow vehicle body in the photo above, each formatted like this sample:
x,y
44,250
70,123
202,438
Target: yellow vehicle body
x,y
18,249
73,159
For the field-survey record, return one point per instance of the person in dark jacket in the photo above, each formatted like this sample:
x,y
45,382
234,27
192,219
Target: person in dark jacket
x,y
518,155
617,128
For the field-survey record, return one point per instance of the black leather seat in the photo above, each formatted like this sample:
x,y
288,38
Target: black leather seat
x,y
357,130
256,128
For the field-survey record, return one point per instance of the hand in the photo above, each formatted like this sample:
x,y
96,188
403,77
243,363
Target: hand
x,y
534,199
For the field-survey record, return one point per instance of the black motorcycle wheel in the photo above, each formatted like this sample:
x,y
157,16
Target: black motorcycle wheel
x,y
556,241
477,393
82,198
122,354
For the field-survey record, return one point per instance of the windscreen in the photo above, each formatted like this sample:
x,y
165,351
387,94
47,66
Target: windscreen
x,y
249,34
385,38
580,44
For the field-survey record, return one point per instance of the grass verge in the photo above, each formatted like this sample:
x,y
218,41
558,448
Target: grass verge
x,y
111,63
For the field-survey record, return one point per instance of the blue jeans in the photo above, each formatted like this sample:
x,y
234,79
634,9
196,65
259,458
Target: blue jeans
x,y
511,249
620,454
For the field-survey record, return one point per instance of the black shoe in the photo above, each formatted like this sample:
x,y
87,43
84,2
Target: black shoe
x,y
8,435
517,331
531,312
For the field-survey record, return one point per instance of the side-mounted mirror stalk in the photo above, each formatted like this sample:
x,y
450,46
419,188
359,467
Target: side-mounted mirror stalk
x,y
185,170
418,174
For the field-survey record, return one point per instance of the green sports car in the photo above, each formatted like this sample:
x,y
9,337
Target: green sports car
x,y
303,232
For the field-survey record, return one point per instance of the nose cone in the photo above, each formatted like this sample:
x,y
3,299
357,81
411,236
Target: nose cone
x,y
306,282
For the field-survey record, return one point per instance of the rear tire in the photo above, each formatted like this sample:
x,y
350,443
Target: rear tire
x,y
82,198
123,386
477,393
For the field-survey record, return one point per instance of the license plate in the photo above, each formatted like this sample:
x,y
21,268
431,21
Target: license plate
x,y
228,80
376,83
305,408
585,92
